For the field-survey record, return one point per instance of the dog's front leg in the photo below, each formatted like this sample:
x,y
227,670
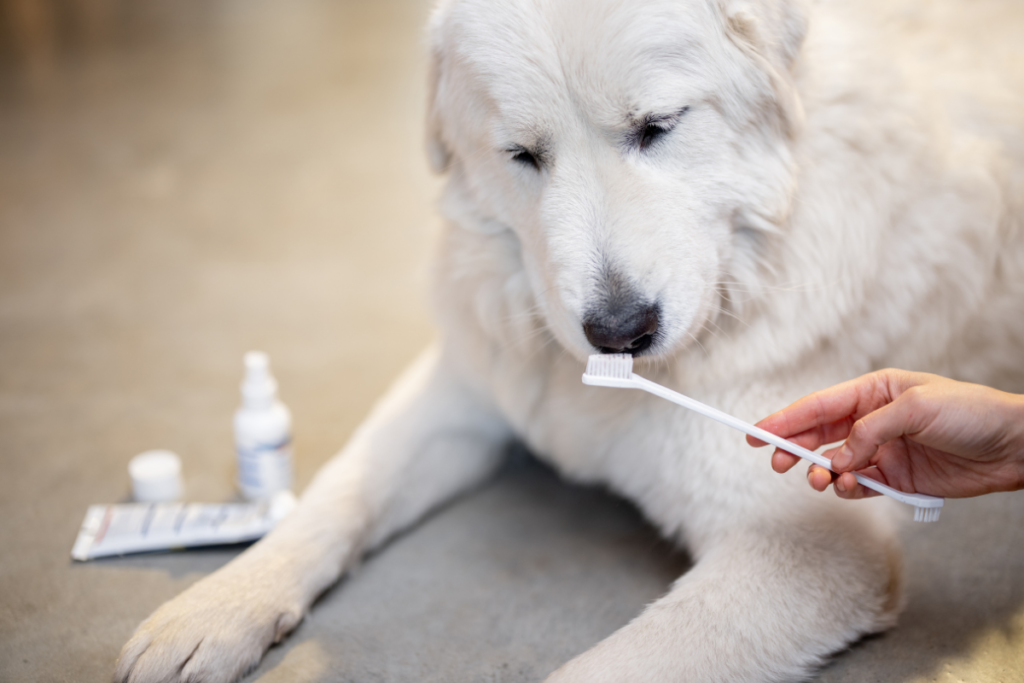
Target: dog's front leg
x,y
428,439
764,603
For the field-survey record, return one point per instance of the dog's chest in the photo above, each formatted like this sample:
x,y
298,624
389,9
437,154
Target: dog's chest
x,y
590,434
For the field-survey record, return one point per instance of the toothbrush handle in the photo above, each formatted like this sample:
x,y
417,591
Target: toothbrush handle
x,y
915,499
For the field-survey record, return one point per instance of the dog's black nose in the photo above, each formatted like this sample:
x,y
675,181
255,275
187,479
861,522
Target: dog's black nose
x,y
628,329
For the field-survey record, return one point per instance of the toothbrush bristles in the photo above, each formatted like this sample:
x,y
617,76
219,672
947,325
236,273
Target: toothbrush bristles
x,y
610,365
926,514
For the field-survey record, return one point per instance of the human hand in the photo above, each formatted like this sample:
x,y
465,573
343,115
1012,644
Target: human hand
x,y
915,432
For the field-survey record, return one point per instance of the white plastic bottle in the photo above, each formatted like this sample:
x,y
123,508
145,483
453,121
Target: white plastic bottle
x,y
263,433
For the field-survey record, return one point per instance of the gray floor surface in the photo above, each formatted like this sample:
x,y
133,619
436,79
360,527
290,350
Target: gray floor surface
x,y
182,181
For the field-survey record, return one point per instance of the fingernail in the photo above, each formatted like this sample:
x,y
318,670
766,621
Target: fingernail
x,y
843,458
840,486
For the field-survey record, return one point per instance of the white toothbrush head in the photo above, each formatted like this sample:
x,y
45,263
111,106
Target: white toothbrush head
x,y
927,514
610,365
609,370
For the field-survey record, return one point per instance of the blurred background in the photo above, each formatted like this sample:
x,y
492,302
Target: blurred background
x,y
184,180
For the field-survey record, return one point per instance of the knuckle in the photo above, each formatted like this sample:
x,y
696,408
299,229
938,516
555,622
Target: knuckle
x,y
860,432
915,395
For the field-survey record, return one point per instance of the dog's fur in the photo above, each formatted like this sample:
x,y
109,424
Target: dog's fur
x,y
829,191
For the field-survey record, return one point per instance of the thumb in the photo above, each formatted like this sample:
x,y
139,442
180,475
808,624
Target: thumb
x,y
899,418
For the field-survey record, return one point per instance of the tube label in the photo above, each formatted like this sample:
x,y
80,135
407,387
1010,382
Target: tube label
x,y
143,527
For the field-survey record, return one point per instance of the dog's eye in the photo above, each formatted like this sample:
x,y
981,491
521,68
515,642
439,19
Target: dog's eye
x,y
523,156
649,134
652,128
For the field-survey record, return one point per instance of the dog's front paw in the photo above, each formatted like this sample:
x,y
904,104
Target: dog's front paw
x,y
214,632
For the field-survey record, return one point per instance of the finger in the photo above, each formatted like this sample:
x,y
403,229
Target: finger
x,y
853,398
847,486
899,418
818,477
832,432
809,440
783,461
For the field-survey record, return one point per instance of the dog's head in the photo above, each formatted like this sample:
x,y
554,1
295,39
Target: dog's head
x,y
638,150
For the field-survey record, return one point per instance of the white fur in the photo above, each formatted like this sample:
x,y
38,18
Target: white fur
x,y
843,193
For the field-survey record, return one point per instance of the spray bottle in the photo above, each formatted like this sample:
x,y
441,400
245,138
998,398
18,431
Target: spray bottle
x,y
263,433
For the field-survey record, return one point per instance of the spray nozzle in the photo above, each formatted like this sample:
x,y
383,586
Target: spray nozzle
x,y
259,386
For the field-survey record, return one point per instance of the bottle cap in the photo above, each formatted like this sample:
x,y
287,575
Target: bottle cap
x,y
156,476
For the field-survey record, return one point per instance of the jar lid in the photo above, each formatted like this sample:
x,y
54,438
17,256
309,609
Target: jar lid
x,y
156,476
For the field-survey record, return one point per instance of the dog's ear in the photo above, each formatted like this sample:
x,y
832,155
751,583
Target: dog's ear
x,y
438,153
770,33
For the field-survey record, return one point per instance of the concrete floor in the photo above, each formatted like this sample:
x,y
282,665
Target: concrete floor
x,y
183,181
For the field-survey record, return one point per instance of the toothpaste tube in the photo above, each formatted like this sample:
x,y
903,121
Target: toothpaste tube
x,y
145,527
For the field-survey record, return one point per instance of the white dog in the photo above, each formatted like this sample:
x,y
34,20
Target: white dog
x,y
757,200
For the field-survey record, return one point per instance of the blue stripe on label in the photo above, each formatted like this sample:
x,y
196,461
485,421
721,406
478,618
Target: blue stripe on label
x,y
264,446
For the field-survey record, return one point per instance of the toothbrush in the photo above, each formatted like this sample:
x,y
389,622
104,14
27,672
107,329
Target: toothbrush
x,y
616,370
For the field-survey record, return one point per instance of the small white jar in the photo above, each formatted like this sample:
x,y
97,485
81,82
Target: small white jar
x,y
156,476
